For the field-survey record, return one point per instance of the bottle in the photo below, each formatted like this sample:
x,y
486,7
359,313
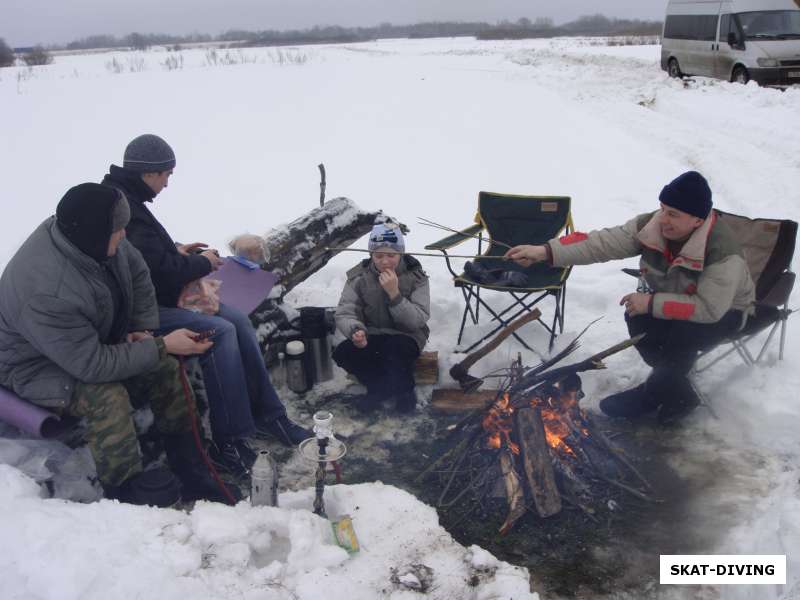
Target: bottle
x,y
295,370
278,375
264,480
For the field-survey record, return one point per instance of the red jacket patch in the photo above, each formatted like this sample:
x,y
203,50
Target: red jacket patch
x,y
572,238
691,289
678,310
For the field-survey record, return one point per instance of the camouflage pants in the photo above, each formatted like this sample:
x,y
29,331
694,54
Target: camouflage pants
x,y
108,409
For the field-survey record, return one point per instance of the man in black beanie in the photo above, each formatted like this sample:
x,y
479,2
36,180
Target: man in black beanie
x,y
76,310
695,289
242,401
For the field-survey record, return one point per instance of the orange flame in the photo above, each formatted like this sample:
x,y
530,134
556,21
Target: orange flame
x,y
498,424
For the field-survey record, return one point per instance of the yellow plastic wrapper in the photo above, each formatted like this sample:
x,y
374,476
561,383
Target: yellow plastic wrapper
x,y
345,534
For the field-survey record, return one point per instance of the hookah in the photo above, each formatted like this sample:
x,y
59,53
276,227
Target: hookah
x,y
322,449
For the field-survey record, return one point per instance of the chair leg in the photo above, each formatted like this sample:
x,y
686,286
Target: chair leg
x,y
784,323
769,339
741,348
727,353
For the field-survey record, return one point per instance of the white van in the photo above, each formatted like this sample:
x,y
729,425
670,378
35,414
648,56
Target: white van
x,y
736,40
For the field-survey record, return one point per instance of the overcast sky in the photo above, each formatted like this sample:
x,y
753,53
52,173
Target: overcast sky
x,y
28,22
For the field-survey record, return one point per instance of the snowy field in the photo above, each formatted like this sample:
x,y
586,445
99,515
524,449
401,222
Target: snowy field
x,y
415,128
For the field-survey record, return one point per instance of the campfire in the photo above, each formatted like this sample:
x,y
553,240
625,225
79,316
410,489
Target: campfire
x,y
535,447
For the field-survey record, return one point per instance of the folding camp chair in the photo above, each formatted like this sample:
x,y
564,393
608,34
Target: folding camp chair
x,y
768,246
512,220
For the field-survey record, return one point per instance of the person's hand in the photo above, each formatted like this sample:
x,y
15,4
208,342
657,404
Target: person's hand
x,y
359,338
389,283
187,249
182,343
525,256
636,303
135,336
213,257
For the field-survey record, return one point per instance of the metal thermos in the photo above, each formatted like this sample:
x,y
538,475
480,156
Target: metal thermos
x,y
314,328
295,369
264,480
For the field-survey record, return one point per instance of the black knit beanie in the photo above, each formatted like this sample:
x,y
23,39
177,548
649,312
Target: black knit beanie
x,y
148,153
88,214
689,193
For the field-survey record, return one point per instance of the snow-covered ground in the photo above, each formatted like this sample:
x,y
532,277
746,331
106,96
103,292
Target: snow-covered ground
x,y
416,128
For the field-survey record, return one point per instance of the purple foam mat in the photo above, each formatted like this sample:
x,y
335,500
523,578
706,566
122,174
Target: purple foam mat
x,y
27,417
243,287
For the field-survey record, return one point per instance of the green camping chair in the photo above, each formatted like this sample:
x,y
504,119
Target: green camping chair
x,y
513,220
768,246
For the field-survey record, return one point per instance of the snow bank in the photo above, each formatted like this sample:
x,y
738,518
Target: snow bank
x,y
59,549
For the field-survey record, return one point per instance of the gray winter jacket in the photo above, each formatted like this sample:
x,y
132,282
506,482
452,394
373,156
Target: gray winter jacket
x,y
707,278
55,309
365,305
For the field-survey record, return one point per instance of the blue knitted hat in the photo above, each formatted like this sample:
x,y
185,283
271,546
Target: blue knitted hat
x,y
689,193
386,235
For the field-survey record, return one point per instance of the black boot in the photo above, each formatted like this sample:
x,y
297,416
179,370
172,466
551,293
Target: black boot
x,y
155,487
674,393
285,431
682,400
631,403
406,402
185,460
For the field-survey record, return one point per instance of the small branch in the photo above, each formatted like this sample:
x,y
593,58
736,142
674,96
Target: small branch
x,y
322,183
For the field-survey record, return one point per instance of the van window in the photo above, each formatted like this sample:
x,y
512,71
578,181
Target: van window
x,y
770,24
691,27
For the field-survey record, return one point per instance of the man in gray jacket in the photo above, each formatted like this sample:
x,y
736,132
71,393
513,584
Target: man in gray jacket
x,y
383,313
695,290
76,310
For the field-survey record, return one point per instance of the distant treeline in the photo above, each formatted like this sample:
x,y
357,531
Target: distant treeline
x,y
522,28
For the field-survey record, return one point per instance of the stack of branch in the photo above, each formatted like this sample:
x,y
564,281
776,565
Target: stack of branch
x,y
534,474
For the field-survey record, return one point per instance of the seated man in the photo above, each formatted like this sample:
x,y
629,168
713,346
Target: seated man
x,y
383,313
242,401
699,290
76,307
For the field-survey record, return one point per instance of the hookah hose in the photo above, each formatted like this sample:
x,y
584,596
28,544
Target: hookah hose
x,y
193,418
337,468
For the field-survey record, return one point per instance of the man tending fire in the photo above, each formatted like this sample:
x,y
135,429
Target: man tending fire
x,y
698,290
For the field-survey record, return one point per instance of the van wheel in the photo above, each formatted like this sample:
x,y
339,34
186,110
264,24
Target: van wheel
x,y
673,68
740,75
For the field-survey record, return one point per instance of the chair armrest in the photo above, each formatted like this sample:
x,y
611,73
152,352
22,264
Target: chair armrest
x,y
779,294
456,238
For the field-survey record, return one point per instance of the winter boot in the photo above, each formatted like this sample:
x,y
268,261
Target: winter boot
x,y
677,402
285,431
155,487
185,460
672,390
234,456
631,403
367,403
406,402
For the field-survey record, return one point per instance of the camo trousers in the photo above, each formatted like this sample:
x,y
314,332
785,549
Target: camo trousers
x,y
108,409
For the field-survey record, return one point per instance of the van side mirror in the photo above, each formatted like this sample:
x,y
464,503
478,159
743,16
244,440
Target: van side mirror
x,y
734,42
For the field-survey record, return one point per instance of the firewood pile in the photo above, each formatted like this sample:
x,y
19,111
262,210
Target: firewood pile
x,y
534,447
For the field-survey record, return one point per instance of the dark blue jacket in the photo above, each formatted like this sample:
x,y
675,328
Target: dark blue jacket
x,y
169,269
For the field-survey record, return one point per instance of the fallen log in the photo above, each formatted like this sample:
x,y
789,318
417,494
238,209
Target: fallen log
x,y
453,400
298,249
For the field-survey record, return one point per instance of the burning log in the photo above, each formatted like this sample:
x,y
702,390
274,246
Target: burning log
x,y
514,493
536,461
